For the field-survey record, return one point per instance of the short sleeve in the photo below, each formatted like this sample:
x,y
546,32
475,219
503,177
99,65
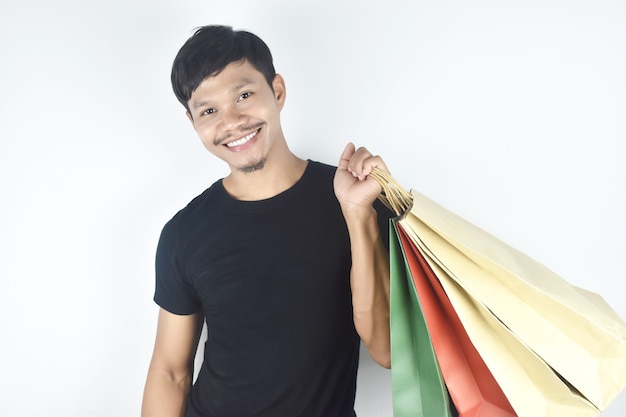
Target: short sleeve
x,y
172,292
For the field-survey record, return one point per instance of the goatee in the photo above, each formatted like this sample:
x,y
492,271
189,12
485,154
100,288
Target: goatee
x,y
256,166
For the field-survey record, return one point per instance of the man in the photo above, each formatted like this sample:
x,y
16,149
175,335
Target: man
x,y
283,258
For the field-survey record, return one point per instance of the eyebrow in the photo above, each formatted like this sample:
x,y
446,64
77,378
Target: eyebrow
x,y
243,83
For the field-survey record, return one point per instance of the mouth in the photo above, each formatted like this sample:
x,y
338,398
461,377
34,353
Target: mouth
x,y
242,141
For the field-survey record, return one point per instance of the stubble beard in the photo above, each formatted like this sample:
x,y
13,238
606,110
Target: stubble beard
x,y
253,167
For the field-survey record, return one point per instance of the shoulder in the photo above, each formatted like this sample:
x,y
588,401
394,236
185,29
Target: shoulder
x,y
321,173
321,168
197,208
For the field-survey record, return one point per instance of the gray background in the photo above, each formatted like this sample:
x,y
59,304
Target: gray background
x,y
511,114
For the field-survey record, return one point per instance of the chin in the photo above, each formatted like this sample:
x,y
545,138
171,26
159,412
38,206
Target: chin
x,y
252,167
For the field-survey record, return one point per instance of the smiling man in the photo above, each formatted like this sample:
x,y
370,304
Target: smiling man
x,y
283,259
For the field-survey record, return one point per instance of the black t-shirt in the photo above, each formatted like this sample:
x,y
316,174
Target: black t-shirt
x,y
272,280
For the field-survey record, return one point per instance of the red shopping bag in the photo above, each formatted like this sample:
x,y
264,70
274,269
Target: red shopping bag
x,y
555,350
472,387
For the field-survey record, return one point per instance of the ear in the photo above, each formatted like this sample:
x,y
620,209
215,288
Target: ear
x,y
280,93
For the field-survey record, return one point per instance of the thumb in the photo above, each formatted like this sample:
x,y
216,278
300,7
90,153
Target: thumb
x,y
346,155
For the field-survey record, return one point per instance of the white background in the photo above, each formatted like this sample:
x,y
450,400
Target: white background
x,y
511,114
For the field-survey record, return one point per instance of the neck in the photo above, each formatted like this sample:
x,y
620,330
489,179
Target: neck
x,y
275,177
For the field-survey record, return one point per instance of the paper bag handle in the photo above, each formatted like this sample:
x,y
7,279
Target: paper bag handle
x,y
393,195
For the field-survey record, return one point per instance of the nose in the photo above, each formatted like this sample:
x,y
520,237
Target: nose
x,y
232,119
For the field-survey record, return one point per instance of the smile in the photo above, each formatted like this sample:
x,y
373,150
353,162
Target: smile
x,y
243,140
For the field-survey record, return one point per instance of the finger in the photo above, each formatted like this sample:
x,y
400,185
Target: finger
x,y
344,160
372,162
356,161
362,163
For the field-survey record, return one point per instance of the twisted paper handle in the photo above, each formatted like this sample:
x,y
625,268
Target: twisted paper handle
x,y
393,195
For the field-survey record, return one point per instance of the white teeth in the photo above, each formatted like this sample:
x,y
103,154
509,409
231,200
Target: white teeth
x,y
243,140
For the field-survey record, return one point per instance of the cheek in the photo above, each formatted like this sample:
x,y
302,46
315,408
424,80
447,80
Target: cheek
x,y
207,142
205,131
207,137
272,117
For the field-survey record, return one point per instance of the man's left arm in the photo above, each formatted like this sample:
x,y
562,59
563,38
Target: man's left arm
x,y
369,277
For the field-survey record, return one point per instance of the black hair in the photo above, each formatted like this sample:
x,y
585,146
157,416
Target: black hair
x,y
209,50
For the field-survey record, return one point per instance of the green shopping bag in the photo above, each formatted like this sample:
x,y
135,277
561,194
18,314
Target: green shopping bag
x,y
417,385
554,349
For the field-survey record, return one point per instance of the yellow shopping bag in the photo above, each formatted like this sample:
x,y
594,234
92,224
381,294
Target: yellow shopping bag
x,y
555,350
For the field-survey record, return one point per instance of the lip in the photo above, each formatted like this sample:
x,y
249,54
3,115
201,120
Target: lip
x,y
245,145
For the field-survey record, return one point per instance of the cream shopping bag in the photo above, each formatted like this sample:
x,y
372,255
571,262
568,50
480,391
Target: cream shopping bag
x,y
551,326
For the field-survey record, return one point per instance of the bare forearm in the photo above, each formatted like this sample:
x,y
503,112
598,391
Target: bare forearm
x,y
165,394
370,285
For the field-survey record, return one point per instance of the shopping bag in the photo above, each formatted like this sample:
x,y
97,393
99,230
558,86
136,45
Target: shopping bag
x,y
529,383
417,386
471,385
554,350
578,338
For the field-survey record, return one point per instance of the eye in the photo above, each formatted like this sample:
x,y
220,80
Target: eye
x,y
244,96
207,112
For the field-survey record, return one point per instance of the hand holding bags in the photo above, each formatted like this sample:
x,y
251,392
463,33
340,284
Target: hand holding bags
x,y
554,350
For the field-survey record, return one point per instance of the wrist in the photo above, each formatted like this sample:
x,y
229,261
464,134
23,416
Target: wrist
x,y
360,219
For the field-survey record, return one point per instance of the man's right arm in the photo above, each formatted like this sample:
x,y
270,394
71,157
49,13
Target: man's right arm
x,y
171,367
